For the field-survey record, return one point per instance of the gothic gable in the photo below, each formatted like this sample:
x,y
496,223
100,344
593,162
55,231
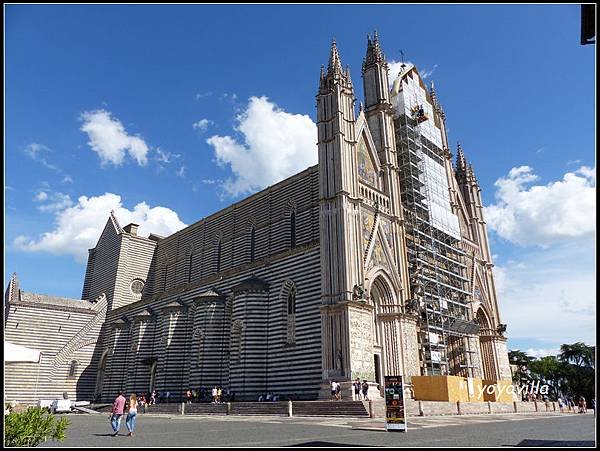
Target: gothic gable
x,y
367,160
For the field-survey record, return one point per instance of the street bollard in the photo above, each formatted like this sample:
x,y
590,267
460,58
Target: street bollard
x,y
289,408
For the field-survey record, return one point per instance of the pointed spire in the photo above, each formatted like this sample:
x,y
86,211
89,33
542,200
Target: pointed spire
x,y
471,174
347,74
461,162
322,77
335,63
12,292
433,94
374,53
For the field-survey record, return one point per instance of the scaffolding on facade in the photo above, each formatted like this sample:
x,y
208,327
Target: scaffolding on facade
x,y
436,260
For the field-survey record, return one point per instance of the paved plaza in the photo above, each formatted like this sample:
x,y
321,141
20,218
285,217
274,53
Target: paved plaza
x,y
472,430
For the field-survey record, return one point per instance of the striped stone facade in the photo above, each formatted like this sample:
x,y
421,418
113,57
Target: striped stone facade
x,y
305,281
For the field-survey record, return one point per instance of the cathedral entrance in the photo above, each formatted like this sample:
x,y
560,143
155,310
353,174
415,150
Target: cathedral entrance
x,y
100,376
486,334
386,355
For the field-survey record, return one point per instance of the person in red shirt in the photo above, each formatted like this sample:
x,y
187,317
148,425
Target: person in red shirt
x,y
117,413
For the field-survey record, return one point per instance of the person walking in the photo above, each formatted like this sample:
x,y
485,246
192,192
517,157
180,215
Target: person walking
x,y
333,389
338,391
365,390
357,389
214,394
561,405
131,414
117,413
219,393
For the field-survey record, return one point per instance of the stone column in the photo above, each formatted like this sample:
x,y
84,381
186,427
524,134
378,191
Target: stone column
x,y
248,341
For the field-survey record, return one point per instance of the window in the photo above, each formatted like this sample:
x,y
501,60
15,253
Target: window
x,y
293,230
73,368
291,302
218,256
190,267
288,299
252,243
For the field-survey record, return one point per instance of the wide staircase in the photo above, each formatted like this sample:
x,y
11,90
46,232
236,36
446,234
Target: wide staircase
x,y
205,408
259,408
352,409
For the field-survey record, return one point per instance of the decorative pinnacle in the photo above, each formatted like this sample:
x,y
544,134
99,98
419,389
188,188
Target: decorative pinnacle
x,y
335,64
374,53
461,162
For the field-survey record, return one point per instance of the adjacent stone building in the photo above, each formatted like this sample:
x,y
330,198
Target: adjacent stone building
x,y
374,262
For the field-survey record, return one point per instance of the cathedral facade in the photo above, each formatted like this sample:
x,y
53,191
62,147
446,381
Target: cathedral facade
x,y
374,262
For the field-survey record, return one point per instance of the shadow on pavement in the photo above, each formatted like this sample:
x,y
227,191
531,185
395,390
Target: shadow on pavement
x,y
327,444
556,443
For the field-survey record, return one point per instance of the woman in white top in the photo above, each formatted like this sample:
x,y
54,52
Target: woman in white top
x,y
131,414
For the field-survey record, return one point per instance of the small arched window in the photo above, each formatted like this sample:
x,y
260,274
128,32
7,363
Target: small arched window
x,y
293,230
288,298
291,302
190,263
252,243
73,368
218,257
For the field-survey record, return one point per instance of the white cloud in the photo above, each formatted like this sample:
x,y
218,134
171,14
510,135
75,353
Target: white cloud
x,y
181,172
276,144
544,214
549,295
78,227
41,196
163,156
426,73
108,138
537,353
202,124
202,95
394,68
56,202
67,179
37,151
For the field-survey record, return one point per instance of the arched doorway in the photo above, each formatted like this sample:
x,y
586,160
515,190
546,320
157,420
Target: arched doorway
x,y
385,349
100,376
486,345
152,382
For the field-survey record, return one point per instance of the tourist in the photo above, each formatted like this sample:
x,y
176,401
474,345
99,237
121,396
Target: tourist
x,y
131,414
357,389
333,389
561,405
338,391
365,390
582,405
153,397
571,405
214,394
117,413
188,396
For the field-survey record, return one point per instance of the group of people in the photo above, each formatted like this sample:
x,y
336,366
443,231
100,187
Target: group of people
x,y
361,389
270,397
120,405
569,404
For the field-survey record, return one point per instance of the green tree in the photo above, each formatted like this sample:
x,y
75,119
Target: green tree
x,y
32,427
579,360
521,361
578,353
550,371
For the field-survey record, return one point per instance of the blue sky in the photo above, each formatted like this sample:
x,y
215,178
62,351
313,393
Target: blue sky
x,y
161,105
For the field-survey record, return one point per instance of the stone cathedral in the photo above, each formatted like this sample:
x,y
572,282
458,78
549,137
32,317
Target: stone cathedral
x,y
374,262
